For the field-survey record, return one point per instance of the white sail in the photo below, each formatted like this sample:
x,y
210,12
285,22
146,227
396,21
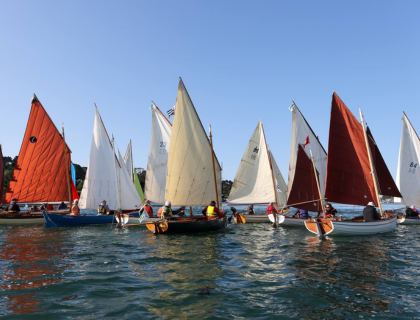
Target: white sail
x,y
281,188
190,179
101,179
301,130
128,160
408,172
157,163
130,199
254,180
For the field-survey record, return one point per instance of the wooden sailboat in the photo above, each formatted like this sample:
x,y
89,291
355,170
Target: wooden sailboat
x,y
258,179
307,165
106,178
42,172
408,180
193,172
356,174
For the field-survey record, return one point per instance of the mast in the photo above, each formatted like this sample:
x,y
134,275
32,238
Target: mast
x,y
271,168
317,182
372,167
214,168
162,114
67,168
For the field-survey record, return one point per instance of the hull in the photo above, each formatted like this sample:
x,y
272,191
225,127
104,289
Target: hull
x,y
407,221
326,227
187,225
292,222
54,220
129,219
26,218
256,218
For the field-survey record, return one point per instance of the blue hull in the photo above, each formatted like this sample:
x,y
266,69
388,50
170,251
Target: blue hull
x,y
56,220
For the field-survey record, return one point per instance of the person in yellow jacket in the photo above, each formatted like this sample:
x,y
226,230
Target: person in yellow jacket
x,y
166,211
211,211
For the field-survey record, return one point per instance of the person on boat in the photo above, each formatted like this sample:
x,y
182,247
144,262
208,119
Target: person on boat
x,y
272,210
179,212
412,212
166,211
330,212
148,208
13,207
75,211
211,211
103,209
370,213
250,209
49,206
300,213
62,206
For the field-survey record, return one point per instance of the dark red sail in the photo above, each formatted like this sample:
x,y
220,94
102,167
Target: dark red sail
x,y
304,187
1,173
348,170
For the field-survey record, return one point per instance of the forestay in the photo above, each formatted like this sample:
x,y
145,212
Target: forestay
x,y
190,179
101,176
300,130
408,177
157,162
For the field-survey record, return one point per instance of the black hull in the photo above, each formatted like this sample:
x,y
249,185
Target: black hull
x,y
201,225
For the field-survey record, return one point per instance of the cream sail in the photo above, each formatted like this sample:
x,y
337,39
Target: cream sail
x,y
101,176
130,199
128,161
408,172
301,130
254,179
190,179
157,163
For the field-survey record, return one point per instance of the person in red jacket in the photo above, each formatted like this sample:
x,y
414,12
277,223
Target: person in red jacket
x,y
273,211
148,208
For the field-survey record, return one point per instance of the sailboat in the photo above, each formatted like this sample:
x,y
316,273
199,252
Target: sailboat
x,y
408,180
356,174
258,179
128,161
307,169
42,172
193,172
106,178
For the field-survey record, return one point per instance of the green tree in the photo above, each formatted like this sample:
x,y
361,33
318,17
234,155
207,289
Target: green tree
x,y
226,186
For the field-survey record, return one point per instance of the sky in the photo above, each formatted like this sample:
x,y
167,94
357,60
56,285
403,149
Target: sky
x,y
241,61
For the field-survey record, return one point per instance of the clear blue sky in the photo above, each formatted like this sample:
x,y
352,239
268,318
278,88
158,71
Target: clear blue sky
x,y
241,61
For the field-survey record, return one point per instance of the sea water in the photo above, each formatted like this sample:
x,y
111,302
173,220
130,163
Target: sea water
x,y
246,271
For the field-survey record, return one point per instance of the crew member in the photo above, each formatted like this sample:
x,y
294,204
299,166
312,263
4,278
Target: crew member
x,y
13,207
166,211
62,206
211,211
148,208
370,213
330,212
180,212
302,214
103,209
75,211
273,211
250,209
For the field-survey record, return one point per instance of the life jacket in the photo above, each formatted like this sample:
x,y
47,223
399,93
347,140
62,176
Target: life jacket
x,y
166,211
211,212
149,211
101,209
75,210
159,212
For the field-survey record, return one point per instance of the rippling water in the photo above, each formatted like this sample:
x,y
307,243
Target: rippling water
x,y
256,272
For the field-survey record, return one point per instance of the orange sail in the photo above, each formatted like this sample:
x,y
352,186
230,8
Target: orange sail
x,y
40,174
348,170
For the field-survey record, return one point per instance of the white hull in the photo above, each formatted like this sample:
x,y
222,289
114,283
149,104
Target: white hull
x,y
292,222
134,220
256,218
404,220
358,228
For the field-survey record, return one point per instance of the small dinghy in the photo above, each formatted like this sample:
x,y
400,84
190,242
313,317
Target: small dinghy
x,y
55,220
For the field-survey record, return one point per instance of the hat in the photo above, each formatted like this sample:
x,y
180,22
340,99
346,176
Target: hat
x,y
213,203
371,204
167,203
412,207
14,200
76,201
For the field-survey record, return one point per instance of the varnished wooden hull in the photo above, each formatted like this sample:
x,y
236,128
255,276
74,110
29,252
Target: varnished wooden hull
x,y
26,217
189,225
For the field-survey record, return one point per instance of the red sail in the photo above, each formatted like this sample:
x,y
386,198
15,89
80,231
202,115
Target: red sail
x,y
387,184
1,173
40,173
304,187
348,170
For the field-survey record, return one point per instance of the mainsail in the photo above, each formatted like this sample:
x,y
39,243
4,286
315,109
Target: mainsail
x,y
101,176
408,177
300,130
190,178
304,187
254,179
40,173
157,163
130,199
1,174
128,161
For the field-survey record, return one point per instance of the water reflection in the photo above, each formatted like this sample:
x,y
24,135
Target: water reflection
x,y
29,256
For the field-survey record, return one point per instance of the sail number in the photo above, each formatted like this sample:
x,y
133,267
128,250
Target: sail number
x,y
413,167
162,146
254,153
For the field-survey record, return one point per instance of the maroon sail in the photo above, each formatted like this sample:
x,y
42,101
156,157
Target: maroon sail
x,y
304,187
1,173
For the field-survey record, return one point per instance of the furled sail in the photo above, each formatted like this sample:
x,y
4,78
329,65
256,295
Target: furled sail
x,y
190,179
304,187
101,176
254,179
157,163
130,199
1,173
40,173
408,176
128,161
348,177
300,130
